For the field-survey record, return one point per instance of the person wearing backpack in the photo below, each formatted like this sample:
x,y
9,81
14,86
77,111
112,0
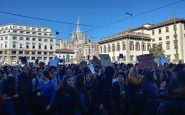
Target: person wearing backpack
x,y
35,74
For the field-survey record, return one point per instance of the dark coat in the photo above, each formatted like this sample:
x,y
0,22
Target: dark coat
x,y
119,101
67,104
102,90
172,106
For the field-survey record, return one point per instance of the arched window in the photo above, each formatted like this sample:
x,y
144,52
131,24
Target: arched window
x,y
144,46
100,49
131,45
137,46
113,47
104,49
148,46
123,46
109,49
118,46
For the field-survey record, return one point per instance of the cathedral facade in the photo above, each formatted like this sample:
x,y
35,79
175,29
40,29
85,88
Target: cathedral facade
x,y
82,46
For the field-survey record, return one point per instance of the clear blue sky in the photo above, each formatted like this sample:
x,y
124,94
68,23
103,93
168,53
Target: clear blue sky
x,y
91,12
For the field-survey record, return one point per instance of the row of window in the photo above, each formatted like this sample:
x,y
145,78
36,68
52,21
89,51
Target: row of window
x,y
166,29
34,32
14,58
33,52
33,46
27,38
5,38
160,29
167,37
23,27
1,46
118,48
28,52
168,45
26,32
33,39
137,47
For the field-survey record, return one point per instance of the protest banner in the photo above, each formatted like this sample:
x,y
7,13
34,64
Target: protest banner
x,y
54,62
105,60
163,60
96,61
146,61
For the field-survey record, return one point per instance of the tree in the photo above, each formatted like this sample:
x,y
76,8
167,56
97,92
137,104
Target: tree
x,y
157,51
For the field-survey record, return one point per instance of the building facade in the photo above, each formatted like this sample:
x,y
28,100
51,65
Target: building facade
x,y
21,40
117,45
170,35
65,54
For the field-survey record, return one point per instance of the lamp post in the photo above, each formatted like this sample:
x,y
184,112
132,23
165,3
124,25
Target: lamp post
x,y
128,40
142,43
176,41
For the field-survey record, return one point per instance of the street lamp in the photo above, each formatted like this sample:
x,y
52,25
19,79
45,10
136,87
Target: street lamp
x,y
142,45
128,40
176,41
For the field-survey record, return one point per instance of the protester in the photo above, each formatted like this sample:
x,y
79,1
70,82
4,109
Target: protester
x,y
66,98
118,89
89,83
2,91
175,104
120,94
55,78
45,92
10,94
24,91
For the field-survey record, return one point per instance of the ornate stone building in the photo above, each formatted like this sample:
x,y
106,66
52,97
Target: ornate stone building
x,y
170,35
82,46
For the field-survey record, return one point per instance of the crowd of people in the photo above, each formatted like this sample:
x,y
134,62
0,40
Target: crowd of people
x,y
119,89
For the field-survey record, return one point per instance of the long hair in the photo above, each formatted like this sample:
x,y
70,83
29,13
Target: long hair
x,y
47,74
63,86
80,82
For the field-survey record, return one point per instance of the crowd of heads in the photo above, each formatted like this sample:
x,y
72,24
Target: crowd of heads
x,y
75,89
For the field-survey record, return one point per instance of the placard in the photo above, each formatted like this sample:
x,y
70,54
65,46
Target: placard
x,y
146,61
105,60
96,61
54,62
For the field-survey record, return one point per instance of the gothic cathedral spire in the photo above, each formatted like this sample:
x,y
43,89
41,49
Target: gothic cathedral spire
x,y
78,25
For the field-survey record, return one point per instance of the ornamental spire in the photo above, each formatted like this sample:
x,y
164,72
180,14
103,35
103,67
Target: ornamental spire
x,y
78,25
